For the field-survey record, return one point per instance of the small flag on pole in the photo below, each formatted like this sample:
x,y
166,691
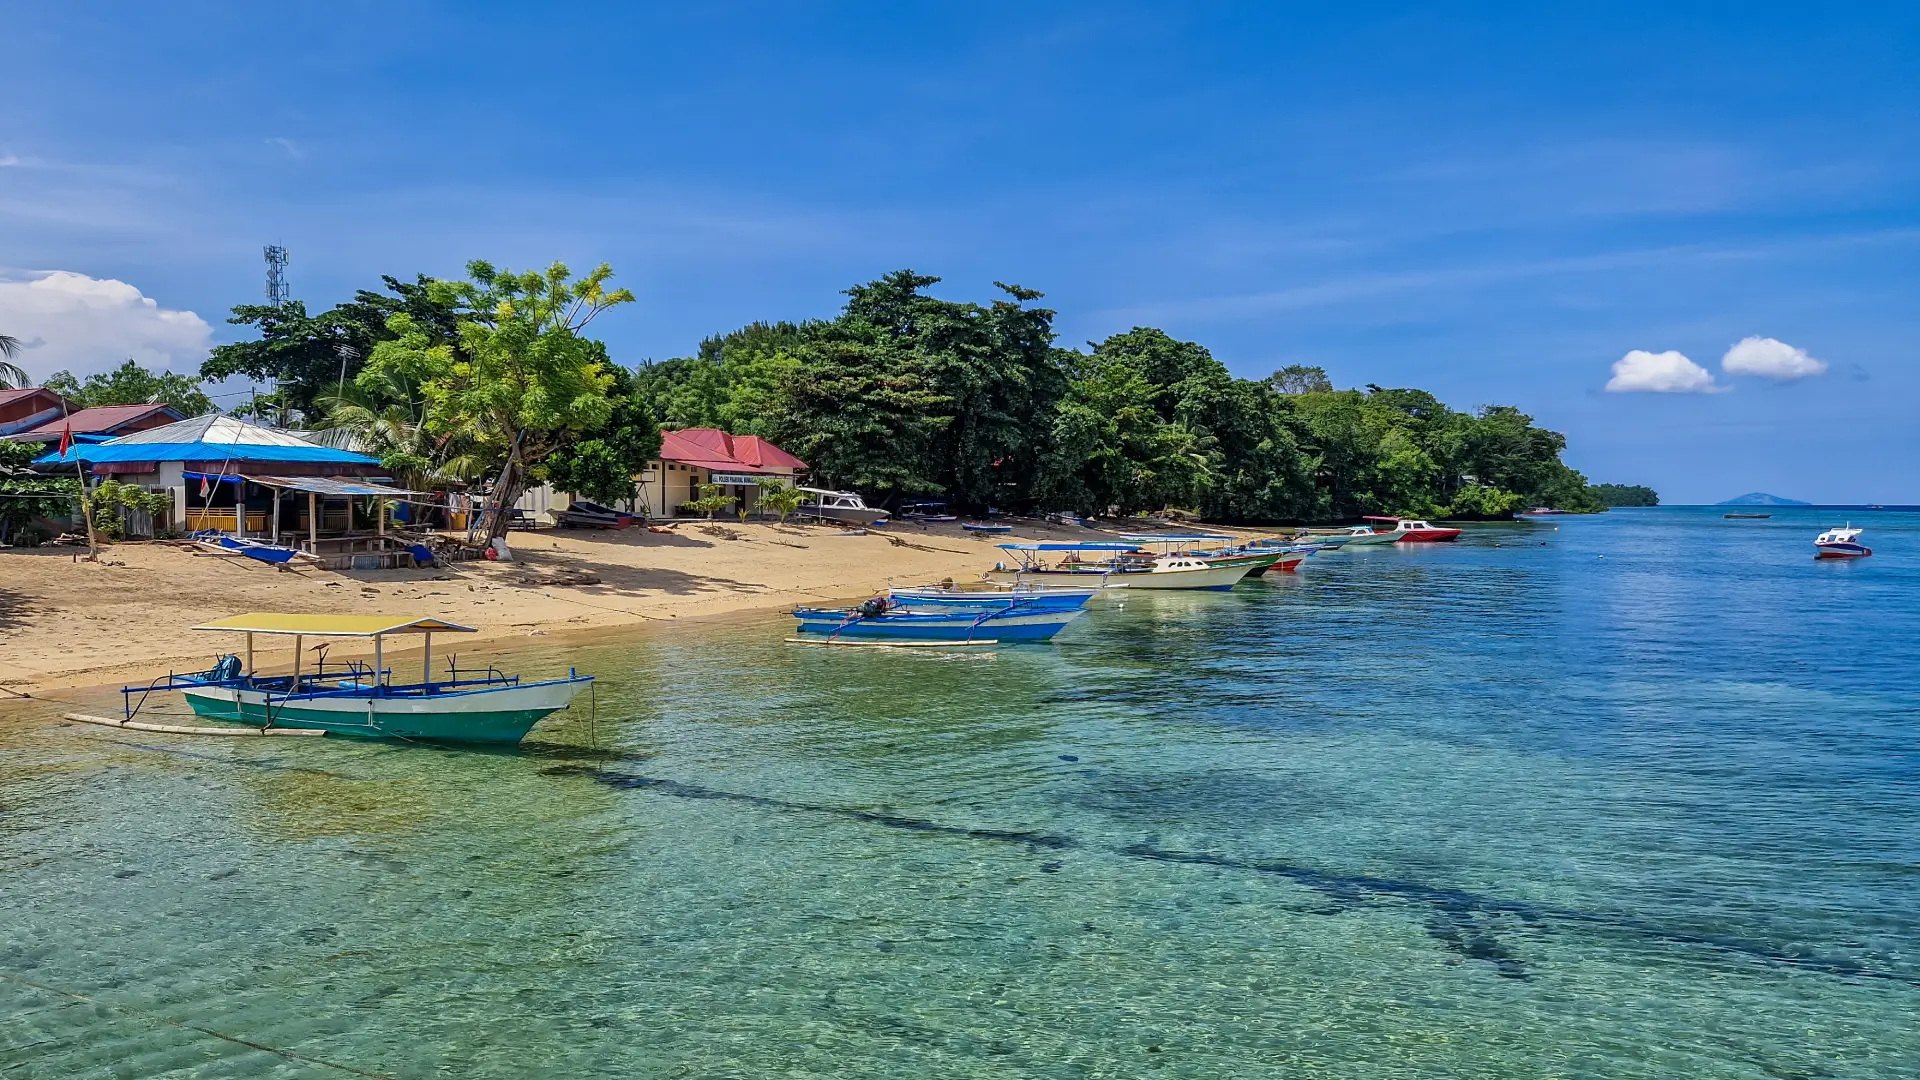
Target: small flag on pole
x,y
66,438
204,489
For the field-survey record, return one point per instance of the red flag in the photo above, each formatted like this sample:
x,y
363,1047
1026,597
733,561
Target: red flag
x,y
66,438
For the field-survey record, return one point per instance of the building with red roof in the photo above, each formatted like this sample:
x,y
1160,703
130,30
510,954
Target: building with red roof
x,y
106,421
29,407
691,457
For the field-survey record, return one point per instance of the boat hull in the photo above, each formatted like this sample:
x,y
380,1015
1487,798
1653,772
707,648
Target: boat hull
x,y
1285,561
1365,539
498,715
998,599
1428,536
1210,577
959,625
1841,551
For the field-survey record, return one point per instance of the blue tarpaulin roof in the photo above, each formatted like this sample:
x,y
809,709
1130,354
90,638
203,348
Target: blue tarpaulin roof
x,y
1068,546
103,453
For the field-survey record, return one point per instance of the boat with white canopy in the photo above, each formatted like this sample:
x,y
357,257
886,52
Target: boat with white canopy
x,y
1118,566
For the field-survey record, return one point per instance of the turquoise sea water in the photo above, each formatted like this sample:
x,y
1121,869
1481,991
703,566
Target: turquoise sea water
x,y
1628,796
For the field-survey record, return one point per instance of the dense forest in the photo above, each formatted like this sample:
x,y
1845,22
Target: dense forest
x,y
902,394
1625,495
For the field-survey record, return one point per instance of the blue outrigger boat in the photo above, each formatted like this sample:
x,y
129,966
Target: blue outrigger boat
x,y
880,620
361,700
985,595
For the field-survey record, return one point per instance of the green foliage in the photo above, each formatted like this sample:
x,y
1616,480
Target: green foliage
x,y
1624,495
600,466
12,376
112,497
312,356
778,498
713,499
25,494
131,384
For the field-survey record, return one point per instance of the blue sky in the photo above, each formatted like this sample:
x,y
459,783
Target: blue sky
x,y
1497,207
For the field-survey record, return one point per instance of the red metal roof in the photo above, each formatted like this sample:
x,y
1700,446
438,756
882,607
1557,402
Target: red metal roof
x,y
99,420
711,448
8,397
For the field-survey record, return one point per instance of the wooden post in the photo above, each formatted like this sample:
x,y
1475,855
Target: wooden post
x,y
277,493
249,652
380,517
313,521
297,642
426,658
377,642
239,508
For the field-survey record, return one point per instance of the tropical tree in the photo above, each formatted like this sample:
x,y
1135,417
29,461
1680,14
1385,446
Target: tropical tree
x,y
12,376
517,377
308,356
383,416
131,384
713,499
600,464
781,499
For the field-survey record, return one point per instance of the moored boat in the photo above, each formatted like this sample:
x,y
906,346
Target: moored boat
x,y
1116,566
1841,543
988,594
361,700
880,620
1416,531
1351,536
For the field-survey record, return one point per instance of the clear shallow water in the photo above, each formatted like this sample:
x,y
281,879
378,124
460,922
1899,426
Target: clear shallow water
x,y
1631,797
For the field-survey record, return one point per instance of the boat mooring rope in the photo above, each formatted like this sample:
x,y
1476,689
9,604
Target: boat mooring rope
x,y
184,1026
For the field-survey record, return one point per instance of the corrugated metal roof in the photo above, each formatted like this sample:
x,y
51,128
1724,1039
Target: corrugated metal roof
x,y
99,418
215,428
711,448
332,485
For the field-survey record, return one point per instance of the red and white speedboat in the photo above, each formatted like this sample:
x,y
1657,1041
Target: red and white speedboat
x,y
1415,531
1841,543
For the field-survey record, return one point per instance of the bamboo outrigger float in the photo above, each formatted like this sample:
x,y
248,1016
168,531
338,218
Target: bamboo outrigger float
x,y
355,699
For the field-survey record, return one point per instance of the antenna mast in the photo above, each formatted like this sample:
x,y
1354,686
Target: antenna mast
x,y
277,291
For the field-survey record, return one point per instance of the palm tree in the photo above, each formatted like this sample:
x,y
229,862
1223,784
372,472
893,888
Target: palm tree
x,y
12,376
389,426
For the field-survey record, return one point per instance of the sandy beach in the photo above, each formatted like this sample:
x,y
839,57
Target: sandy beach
x,y
70,623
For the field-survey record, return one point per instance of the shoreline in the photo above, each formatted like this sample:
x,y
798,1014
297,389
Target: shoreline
x,y
127,618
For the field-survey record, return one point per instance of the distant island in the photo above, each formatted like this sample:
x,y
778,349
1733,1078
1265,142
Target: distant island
x,y
1761,498
1625,495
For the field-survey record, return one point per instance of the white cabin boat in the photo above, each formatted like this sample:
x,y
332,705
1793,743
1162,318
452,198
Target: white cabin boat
x,y
846,507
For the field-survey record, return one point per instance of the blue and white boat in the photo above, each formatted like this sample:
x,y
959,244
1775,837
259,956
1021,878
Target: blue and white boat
x,y
878,621
1841,543
360,699
1033,597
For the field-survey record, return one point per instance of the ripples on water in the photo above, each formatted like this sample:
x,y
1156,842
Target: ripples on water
x,y
1633,797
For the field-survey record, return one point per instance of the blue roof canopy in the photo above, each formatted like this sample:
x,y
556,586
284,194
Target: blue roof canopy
x,y
1068,546
102,453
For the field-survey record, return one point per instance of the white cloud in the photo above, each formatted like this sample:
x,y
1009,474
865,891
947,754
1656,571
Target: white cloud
x,y
85,324
1667,372
293,149
1770,359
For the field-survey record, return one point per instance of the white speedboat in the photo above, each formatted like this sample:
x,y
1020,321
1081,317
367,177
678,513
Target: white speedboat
x,y
846,507
1840,543
1121,566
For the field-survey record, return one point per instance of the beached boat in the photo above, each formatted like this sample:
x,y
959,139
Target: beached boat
x,y
846,507
1416,531
927,511
985,527
879,620
1116,566
1841,543
358,699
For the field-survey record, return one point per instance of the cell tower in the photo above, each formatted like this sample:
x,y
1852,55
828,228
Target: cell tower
x,y
277,291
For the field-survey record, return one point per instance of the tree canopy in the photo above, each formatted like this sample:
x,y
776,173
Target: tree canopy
x,y
131,384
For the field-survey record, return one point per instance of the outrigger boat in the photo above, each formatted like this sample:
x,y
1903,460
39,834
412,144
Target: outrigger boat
x,y
880,620
988,594
1266,555
361,700
1351,536
1119,566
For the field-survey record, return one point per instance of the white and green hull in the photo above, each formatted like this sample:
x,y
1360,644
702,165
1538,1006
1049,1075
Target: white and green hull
x,y
502,714
1219,576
